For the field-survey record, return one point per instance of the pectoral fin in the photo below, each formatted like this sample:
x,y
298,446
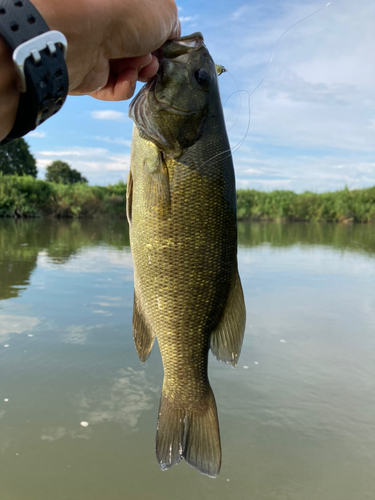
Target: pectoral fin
x,y
226,339
157,193
129,198
142,333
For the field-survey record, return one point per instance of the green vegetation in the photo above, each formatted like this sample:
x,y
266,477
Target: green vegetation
x,y
29,197
16,159
340,206
62,173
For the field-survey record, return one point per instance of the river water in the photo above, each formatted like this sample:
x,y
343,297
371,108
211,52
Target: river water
x,y
297,415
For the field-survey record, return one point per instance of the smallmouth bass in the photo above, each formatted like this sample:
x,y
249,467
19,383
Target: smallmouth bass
x,y
181,206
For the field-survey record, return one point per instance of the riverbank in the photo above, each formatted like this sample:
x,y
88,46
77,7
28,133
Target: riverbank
x,y
29,197
340,206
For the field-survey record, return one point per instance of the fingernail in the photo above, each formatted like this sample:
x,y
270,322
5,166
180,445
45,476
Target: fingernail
x,y
133,83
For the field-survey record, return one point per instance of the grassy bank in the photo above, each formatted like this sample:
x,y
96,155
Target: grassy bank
x,y
339,206
31,197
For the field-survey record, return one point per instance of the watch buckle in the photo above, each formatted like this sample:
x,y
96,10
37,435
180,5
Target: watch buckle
x,y
33,47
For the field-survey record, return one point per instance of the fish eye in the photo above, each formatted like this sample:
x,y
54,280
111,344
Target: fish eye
x,y
202,76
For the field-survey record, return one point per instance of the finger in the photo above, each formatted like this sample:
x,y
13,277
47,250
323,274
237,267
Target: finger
x,y
121,87
122,78
146,73
118,66
118,88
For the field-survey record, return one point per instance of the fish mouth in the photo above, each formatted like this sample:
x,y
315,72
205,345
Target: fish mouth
x,y
146,102
173,49
179,49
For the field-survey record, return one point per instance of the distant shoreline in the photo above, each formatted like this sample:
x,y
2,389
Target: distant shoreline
x,y
343,206
27,197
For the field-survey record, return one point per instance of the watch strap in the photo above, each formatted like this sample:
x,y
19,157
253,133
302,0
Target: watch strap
x,y
40,58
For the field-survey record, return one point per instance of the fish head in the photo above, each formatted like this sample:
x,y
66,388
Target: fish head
x,y
173,110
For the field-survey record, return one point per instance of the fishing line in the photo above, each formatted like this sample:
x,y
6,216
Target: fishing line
x,y
238,145
227,99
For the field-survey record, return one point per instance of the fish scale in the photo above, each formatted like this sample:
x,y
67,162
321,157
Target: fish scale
x,y
182,216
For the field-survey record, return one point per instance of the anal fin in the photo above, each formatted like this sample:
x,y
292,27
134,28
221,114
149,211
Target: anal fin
x,y
227,338
142,333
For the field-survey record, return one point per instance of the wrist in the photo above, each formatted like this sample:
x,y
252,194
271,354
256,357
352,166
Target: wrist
x,y
83,31
9,93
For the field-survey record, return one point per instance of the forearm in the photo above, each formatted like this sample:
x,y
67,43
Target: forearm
x,y
9,93
85,25
109,47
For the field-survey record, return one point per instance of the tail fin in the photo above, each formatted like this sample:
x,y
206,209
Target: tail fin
x,y
192,435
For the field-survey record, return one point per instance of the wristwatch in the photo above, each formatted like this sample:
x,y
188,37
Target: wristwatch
x,y
39,55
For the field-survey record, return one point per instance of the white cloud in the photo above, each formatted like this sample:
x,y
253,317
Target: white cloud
x,y
263,184
252,171
187,19
121,141
302,173
109,114
36,134
98,164
81,152
239,12
316,106
118,162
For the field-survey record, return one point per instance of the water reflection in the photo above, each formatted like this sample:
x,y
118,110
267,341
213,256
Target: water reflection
x,y
27,243
55,433
77,334
55,241
131,393
18,256
356,237
296,416
16,324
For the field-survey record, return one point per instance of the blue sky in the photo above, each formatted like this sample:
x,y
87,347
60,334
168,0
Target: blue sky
x,y
312,123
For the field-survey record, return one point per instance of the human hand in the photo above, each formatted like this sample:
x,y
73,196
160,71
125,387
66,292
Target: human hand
x,y
110,42
109,47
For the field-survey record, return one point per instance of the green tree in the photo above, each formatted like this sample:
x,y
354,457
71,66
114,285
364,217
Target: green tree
x,y
16,159
62,173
